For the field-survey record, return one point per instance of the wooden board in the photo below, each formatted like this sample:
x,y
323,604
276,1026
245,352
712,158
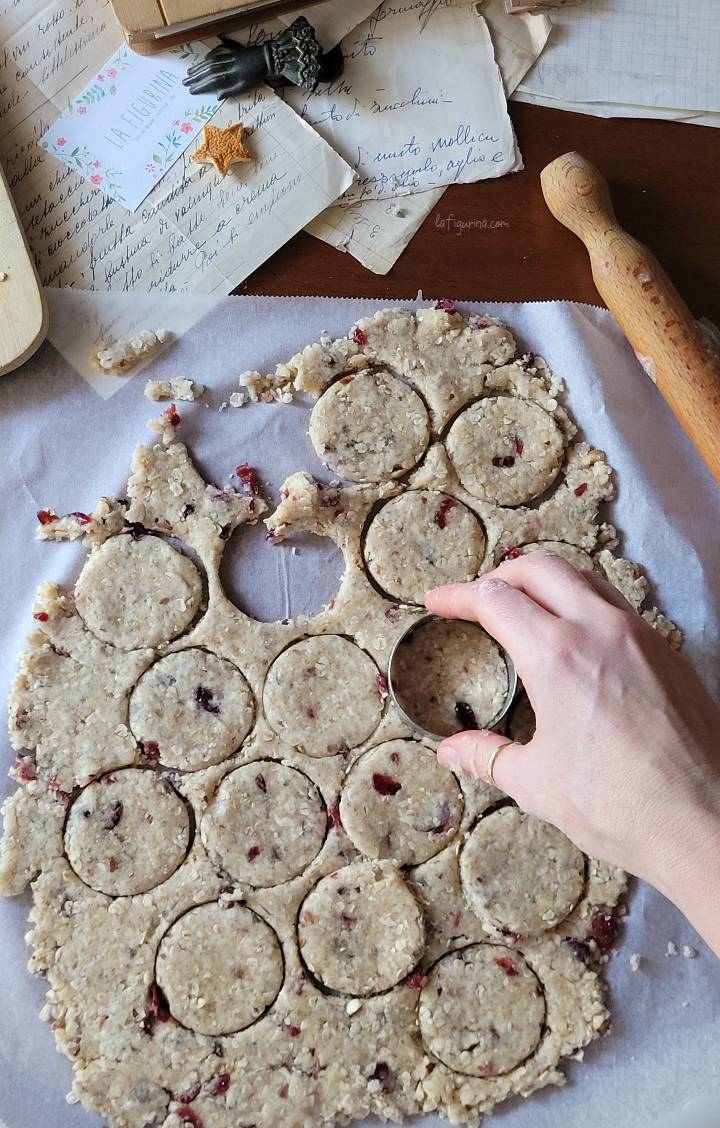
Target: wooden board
x,y
23,313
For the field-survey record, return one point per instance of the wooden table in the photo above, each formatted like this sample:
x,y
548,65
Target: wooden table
x,y
665,184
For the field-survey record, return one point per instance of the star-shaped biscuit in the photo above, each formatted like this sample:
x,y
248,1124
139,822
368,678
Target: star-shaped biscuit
x,y
222,147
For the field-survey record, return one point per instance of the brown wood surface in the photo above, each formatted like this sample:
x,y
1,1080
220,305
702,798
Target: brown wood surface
x,y
665,187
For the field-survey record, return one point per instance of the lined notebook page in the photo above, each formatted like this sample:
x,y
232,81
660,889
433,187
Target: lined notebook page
x,y
645,52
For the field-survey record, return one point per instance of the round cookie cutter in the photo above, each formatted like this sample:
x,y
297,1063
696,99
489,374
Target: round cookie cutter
x,y
392,683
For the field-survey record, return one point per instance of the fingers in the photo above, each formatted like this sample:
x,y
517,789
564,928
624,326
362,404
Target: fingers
x,y
471,752
552,582
609,593
507,614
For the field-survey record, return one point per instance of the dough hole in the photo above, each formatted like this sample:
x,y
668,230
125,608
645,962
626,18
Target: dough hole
x,y
360,930
420,540
265,824
323,695
191,709
127,832
482,1011
519,874
274,582
398,803
220,968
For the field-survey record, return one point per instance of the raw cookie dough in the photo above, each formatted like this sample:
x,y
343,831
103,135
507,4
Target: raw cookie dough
x,y
323,695
127,832
519,873
136,593
449,675
506,449
191,709
360,929
398,803
220,967
265,824
481,1011
522,720
369,427
420,540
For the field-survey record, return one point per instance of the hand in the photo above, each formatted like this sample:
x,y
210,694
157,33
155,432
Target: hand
x,y
625,759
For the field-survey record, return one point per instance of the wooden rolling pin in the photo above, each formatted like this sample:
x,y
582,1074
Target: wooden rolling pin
x,y
23,313
673,349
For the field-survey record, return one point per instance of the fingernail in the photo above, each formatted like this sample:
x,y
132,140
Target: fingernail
x,y
487,587
449,754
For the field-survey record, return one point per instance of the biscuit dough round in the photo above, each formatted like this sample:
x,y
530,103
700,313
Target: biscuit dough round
x,y
398,803
519,873
265,824
220,968
360,929
137,593
323,695
481,1011
505,449
194,707
420,540
570,552
522,720
448,674
127,832
369,427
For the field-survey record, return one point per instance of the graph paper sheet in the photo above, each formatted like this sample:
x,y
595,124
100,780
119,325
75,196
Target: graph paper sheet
x,y
655,53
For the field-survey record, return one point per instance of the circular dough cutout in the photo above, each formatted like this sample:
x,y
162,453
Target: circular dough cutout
x,y
194,707
505,449
449,675
420,540
265,824
137,593
220,968
323,695
570,552
360,929
127,832
369,427
398,803
520,873
481,1011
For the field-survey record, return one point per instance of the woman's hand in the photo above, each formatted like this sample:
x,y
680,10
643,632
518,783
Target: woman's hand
x,y
626,754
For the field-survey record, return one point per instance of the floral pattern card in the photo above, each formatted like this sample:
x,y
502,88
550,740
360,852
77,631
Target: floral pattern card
x,y
131,123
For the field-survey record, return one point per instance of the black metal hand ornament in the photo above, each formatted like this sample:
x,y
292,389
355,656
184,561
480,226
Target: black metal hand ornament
x,y
292,56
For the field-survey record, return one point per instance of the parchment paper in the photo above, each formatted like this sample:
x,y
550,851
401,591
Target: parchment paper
x,y
64,446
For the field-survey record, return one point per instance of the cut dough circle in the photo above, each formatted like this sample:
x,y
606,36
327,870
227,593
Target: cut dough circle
x,y
265,824
519,873
220,968
323,695
137,593
420,540
360,929
505,449
195,707
398,803
570,552
127,832
450,675
369,427
481,1011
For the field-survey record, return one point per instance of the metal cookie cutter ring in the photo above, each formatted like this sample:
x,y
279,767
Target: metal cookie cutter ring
x,y
396,692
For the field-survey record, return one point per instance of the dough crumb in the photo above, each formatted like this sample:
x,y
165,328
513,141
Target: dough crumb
x,y
238,399
178,388
635,961
689,952
671,949
165,425
107,520
119,356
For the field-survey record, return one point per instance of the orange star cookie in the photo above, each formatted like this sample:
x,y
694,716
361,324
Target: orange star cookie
x,y
222,147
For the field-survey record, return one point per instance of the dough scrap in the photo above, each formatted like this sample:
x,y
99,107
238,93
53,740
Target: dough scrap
x,y
191,709
420,540
302,1054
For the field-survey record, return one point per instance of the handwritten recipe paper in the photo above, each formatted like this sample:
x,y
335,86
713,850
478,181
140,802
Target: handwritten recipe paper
x,y
194,231
408,126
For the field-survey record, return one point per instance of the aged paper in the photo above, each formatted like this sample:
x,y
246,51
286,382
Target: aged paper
x,y
193,232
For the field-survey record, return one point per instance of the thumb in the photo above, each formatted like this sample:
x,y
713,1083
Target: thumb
x,y
472,752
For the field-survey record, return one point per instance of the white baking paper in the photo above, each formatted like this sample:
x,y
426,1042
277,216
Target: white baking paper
x,y
63,446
